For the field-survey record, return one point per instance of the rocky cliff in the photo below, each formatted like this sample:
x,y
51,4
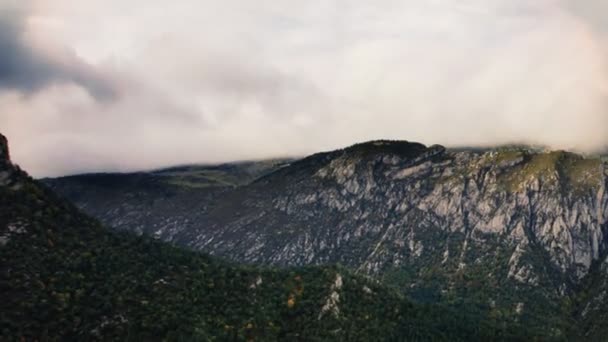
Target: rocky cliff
x,y
7,169
4,155
64,277
510,227
380,205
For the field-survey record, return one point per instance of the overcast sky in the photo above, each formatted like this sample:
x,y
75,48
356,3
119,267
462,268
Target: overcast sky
x,y
102,85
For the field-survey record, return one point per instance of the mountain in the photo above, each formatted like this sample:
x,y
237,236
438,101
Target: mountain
x,y
159,198
65,277
508,233
591,312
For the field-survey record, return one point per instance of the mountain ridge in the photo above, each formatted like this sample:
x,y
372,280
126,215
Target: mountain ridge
x,y
512,231
65,277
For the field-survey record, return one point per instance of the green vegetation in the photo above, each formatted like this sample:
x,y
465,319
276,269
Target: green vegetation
x,y
518,166
401,148
181,178
202,178
582,173
64,277
568,170
506,156
231,175
537,166
475,285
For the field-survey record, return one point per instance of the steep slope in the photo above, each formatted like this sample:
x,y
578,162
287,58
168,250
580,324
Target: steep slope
x,y
64,277
158,203
510,232
591,306
396,199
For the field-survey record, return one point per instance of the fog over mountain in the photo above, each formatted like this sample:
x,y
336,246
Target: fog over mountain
x,y
92,85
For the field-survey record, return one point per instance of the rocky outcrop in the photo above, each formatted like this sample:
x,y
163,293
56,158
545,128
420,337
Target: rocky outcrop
x,y
333,300
4,155
546,212
8,171
511,221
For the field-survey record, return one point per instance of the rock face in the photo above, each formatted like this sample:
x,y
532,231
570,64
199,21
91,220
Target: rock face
x,y
64,277
4,155
437,222
376,209
7,169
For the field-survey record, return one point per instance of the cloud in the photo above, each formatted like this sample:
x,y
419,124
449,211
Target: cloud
x,y
207,81
592,12
25,67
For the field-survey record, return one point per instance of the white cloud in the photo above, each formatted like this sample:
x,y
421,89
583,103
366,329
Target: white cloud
x,y
216,81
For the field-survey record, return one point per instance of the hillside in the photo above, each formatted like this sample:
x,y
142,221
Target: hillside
x,y
511,232
147,201
65,277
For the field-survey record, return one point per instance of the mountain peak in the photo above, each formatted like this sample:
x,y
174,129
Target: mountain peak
x,y
398,147
9,173
4,155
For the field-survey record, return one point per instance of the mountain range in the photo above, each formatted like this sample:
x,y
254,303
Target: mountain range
x,y
504,243
64,276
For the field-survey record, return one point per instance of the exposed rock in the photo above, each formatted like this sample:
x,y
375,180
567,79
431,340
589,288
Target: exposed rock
x,y
4,153
254,285
519,309
529,217
331,304
7,169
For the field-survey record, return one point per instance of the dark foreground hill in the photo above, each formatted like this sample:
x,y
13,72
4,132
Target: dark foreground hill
x,y
64,277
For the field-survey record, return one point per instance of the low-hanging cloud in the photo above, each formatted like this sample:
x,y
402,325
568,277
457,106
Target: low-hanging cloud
x,y
207,81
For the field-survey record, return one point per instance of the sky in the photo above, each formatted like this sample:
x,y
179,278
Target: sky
x,y
122,85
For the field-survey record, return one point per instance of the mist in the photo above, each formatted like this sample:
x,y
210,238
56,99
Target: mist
x,y
132,84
